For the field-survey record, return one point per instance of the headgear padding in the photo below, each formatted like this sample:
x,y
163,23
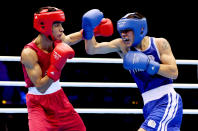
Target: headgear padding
x,y
44,20
138,26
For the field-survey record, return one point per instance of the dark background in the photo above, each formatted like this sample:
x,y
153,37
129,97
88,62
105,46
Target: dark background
x,y
175,22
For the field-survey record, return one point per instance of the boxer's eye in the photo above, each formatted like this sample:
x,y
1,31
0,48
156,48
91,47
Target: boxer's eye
x,y
125,31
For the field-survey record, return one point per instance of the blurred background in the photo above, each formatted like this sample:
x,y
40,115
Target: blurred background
x,y
178,24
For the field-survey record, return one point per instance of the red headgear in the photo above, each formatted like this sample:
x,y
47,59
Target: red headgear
x,y
44,20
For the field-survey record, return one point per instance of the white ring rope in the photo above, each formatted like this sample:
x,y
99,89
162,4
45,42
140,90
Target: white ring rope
x,y
98,60
96,111
98,84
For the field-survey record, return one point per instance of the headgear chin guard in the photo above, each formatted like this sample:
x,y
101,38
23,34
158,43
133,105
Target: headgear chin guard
x,y
44,20
137,25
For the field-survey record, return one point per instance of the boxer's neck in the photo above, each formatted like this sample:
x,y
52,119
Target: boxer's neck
x,y
44,43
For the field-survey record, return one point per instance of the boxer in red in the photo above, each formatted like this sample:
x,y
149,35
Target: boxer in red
x,y
42,61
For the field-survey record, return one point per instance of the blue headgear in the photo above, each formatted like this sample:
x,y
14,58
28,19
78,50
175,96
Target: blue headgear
x,y
138,26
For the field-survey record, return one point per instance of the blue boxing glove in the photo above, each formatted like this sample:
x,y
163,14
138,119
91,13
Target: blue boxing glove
x,y
135,60
153,67
90,20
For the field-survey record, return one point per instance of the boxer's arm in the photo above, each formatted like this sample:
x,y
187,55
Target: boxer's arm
x,y
30,60
73,38
93,47
168,68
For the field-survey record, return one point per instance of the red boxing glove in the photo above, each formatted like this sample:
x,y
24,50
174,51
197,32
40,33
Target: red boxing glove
x,y
58,58
105,28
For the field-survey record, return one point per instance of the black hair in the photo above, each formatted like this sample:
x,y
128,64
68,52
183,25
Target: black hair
x,y
135,15
50,9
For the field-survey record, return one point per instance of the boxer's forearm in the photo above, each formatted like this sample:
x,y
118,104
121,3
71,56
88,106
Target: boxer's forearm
x,y
73,38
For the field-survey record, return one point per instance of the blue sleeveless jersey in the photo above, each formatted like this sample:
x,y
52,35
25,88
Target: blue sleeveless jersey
x,y
144,81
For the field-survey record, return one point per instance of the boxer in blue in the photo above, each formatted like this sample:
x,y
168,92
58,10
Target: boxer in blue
x,y
151,63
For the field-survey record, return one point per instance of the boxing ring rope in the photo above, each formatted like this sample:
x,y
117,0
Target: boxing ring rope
x,y
98,60
97,85
96,111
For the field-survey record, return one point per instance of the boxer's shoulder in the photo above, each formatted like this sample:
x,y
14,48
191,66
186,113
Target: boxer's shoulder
x,y
28,55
